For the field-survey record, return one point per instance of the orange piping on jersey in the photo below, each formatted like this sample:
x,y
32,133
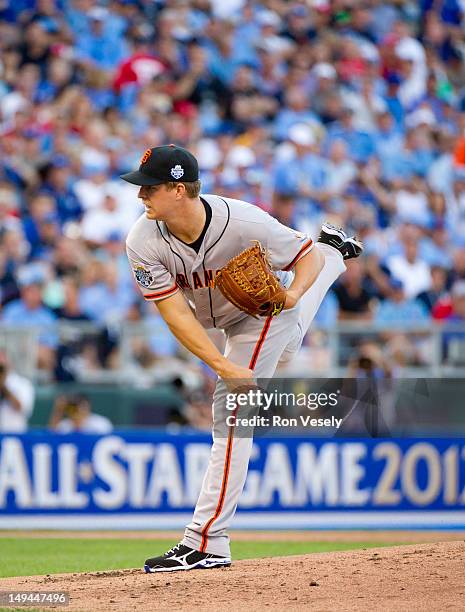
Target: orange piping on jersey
x,y
227,459
165,293
299,255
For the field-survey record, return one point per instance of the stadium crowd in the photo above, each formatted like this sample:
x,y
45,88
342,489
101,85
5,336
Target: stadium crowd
x,y
346,110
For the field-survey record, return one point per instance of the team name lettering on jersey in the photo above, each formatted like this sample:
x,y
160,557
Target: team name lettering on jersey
x,y
199,280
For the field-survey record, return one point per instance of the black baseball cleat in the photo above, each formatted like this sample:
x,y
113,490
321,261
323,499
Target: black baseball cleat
x,y
183,558
353,247
332,235
349,247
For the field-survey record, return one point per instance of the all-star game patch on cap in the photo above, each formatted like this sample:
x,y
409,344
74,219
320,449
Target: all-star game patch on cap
x,y
163,165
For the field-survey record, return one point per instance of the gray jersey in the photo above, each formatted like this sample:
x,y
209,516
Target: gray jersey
x,y
163,264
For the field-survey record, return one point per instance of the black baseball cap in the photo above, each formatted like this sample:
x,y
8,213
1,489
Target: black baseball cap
x,y
163,165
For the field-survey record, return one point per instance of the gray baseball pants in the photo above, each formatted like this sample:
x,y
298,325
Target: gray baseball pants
x,y
260,346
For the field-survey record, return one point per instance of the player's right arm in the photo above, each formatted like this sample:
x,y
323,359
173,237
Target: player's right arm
x,y
190,333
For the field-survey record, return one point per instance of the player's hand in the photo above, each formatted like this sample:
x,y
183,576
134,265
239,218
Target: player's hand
x,y
236,376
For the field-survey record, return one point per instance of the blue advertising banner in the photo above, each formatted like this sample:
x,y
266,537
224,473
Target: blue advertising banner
x,y
152,480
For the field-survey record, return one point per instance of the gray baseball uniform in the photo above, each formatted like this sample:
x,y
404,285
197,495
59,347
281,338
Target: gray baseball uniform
x,y
163,265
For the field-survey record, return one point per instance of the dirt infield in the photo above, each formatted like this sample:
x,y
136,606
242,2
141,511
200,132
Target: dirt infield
x,y
416,577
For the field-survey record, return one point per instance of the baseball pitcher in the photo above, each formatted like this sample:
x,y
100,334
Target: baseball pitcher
x,y
271,281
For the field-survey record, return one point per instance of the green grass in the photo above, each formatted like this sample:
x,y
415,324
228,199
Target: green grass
x,y
25,557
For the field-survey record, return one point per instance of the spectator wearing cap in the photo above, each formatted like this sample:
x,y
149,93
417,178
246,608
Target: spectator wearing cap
x,y
391,97
270,25
305,174
399,310
271,69
96,47
299,25
30,311
326,99
411,55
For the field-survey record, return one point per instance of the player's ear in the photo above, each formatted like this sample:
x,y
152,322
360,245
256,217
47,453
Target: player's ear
x,y
180,191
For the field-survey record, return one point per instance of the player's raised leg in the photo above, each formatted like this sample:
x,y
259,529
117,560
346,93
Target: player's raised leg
x,y
336,247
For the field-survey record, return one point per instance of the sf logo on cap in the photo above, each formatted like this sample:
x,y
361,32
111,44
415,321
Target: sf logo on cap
x,y
177,172
146,156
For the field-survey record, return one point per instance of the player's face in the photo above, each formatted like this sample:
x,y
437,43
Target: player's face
x,y
158,201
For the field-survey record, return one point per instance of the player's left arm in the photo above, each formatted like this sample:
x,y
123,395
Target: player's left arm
x,y
306,271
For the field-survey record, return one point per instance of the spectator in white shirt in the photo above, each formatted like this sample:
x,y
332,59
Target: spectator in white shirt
x,y
100,222
413,272
16,399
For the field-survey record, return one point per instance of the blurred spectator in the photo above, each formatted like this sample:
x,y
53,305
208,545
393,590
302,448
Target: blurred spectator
x,y
16,399
198,411
454,340
30,311
413,272
398,309
370,361
58,185
101,222
437,290
352,294
73,414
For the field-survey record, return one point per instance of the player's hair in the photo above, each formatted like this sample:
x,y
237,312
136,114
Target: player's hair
x,y
192,189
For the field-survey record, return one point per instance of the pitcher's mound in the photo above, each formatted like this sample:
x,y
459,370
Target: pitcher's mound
x,y
418,577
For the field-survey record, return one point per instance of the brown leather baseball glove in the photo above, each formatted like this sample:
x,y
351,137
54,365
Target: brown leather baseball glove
x,y
248,282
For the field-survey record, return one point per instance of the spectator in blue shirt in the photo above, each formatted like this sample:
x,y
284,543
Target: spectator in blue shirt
x,y
97,48
30,312
399,310
295,110
58,185
359,143
305,175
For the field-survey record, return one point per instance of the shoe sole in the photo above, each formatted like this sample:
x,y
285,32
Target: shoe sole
x,y
203,564
334,231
